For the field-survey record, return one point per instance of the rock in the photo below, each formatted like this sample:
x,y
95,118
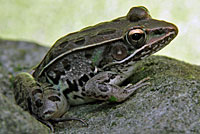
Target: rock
x,y
13,120
171,104
17,56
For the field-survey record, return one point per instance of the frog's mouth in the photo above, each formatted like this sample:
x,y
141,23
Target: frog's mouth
x,y
160,38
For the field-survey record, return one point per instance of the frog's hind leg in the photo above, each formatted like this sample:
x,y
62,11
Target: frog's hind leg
x,y
105,86
24,86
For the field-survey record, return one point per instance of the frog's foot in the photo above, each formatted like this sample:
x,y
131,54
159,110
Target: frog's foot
x,y
104,86
120,94
24,86
138,85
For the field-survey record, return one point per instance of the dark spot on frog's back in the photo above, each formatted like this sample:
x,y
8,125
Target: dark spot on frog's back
x,y
89,53
67,64
80,82
77,97
63,44
57,76
80,41
84,79
83,94
91,74
106,32
73,86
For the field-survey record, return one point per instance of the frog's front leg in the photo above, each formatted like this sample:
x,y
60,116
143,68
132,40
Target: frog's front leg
x,y
106,86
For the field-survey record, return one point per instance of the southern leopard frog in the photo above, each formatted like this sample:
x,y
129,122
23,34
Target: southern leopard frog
x,y
91,64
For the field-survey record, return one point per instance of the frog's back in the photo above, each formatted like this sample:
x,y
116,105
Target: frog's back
x,y
93,36
89,36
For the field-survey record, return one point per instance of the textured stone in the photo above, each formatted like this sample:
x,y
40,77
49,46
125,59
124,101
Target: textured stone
x,y
171,104
13,120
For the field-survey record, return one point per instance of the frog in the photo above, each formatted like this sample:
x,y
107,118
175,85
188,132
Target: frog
x,y
92,64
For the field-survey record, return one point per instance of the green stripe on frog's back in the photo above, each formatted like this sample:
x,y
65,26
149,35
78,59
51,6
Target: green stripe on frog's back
x,y
97,57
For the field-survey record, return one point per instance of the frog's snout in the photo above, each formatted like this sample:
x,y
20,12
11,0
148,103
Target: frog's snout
x,y
173,28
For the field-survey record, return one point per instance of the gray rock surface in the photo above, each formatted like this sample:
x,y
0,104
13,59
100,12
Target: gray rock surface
x,y
17,56
13,120
171,104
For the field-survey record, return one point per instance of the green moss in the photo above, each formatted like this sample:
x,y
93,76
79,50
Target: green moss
x,y
119,115
191,76
142,68
19,68
11,79
112,99
113,124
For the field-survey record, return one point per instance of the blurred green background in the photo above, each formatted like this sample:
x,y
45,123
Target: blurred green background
x,y
44,21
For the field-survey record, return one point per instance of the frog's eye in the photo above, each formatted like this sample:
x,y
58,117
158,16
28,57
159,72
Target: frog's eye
x,y
136,37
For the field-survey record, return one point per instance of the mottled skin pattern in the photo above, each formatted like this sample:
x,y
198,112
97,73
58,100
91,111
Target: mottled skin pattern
x,y
91,64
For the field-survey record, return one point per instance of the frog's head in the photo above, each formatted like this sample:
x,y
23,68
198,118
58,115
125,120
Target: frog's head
x,y
146,35
49,104
142,36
